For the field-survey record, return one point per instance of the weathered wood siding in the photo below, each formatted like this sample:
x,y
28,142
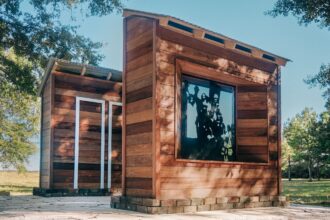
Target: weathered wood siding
x,y
45,140
66,88
256,109
138,78
252,124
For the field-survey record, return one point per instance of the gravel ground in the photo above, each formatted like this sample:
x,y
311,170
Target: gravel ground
x,y
34,207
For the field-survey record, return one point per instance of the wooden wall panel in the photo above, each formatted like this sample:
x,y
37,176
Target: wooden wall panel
x,y
67,87
274,129
254,175
45,143
138,56
252,139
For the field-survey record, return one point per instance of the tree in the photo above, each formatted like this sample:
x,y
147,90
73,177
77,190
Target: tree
x,y
306,11
30,33
287,154
299,133
322,152
33,30
19,119
309,11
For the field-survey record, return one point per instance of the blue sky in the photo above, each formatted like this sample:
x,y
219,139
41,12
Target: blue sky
x,y
308,47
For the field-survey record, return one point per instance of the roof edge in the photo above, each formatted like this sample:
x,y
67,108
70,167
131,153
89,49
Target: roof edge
x,y
55,62
48,69
199,33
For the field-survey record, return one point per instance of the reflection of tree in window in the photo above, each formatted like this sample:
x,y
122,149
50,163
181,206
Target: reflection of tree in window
x,y
208,130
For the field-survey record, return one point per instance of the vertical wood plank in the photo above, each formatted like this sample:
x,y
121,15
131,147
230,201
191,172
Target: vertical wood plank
x,y
123,176
279,133
52,96
155,124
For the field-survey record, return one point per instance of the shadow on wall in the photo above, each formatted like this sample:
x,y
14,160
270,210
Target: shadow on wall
x,y
190,179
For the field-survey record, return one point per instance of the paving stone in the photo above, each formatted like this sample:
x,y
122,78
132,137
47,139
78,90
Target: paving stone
x,y
169,202
183,202
135,200
221,206
209,201
176,209
201,208
188,209
239,205
157,210
222,200
244,199
281,198
197,201
131,207
218,206
273,198
264,198
140,208
267,204
150,202
280,204
251,205
233,199
254,199
122,199
117,205
122,205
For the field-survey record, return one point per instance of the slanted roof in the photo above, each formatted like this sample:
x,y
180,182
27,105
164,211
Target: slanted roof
x,y
214,38
79,69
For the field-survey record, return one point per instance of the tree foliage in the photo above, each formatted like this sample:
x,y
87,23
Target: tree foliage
x,y
322,152
322,79
306,11
19,120
308,136
309,11
31,32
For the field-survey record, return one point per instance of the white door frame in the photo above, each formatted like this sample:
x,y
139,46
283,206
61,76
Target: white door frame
x,y
76,146
111,104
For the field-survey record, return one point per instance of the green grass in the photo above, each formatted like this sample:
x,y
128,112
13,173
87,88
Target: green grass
x,y
18,184
303,192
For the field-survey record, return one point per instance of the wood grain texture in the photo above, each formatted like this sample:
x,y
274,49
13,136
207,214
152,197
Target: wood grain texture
x,y
253,174
62,122
198,45
45,136
138,130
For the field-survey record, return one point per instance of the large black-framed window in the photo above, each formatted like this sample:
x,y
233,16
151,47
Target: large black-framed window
x,y
208,130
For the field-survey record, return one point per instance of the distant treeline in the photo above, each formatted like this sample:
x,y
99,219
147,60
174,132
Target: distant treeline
x,y
306,146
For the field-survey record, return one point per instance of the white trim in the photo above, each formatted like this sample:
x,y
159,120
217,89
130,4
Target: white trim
x,y
76,146
111,104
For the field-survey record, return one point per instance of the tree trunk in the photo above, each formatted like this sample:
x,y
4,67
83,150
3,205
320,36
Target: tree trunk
x,y
289,168
318,171
310,170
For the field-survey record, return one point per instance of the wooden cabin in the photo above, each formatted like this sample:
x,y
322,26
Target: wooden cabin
x,y
80,130
201,122
201,119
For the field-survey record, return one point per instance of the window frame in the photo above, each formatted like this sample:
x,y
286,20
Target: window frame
x,y
191,79
197,70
